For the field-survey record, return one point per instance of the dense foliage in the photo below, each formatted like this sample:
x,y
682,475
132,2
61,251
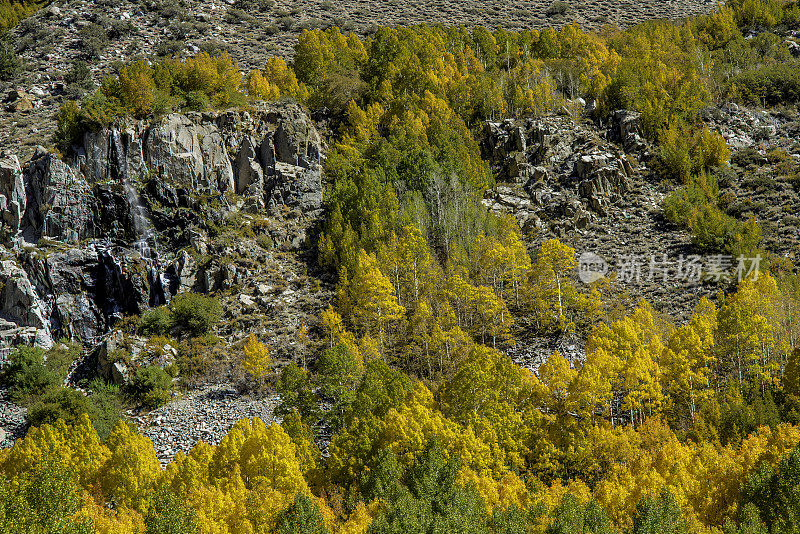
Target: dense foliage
x,y
13,11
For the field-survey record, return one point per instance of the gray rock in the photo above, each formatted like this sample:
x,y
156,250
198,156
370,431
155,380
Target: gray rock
x,y
25,318
189,154
297,141
60,204
106,355
296,187
186,270
249,173
12,193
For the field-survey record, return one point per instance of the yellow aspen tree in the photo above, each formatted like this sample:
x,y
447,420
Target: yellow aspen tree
x,y
259,88
373,298
422,324
256,358
749,332
688,359
554,261
595,383
332,325
556,374
136,82
130,474
76,446
632,347
493,318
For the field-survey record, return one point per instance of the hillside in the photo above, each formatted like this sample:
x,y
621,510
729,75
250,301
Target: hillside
x,y
400,268
100,34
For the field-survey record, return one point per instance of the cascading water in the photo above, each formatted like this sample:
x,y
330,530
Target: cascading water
x,y
146,244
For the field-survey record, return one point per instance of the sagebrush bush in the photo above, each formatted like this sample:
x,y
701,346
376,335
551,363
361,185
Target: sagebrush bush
x,y
10,62
94,40
559,7
151,386
195,314
156,322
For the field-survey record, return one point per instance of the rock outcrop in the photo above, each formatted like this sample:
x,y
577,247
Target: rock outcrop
x,y
13,199
106,233
23,318
118,355
559,169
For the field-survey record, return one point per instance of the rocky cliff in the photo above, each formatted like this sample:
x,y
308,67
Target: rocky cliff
x,y
145,210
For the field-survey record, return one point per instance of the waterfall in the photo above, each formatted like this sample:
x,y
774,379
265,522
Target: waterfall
x,y
146,243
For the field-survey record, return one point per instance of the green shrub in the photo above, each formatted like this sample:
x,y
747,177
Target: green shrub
x,y
169,9
10,62
169,47
105,406
236,16
685,152
747,156
155,322
695,206
680,205
61,403
94,40
265,241
78,80
13,11
712,230
559,7
286,23
69,126
195,356
675,157
151,386
772,84
197,101
27,375
195,314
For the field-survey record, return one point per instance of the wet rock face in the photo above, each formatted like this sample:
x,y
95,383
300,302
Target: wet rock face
x,y
60,201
